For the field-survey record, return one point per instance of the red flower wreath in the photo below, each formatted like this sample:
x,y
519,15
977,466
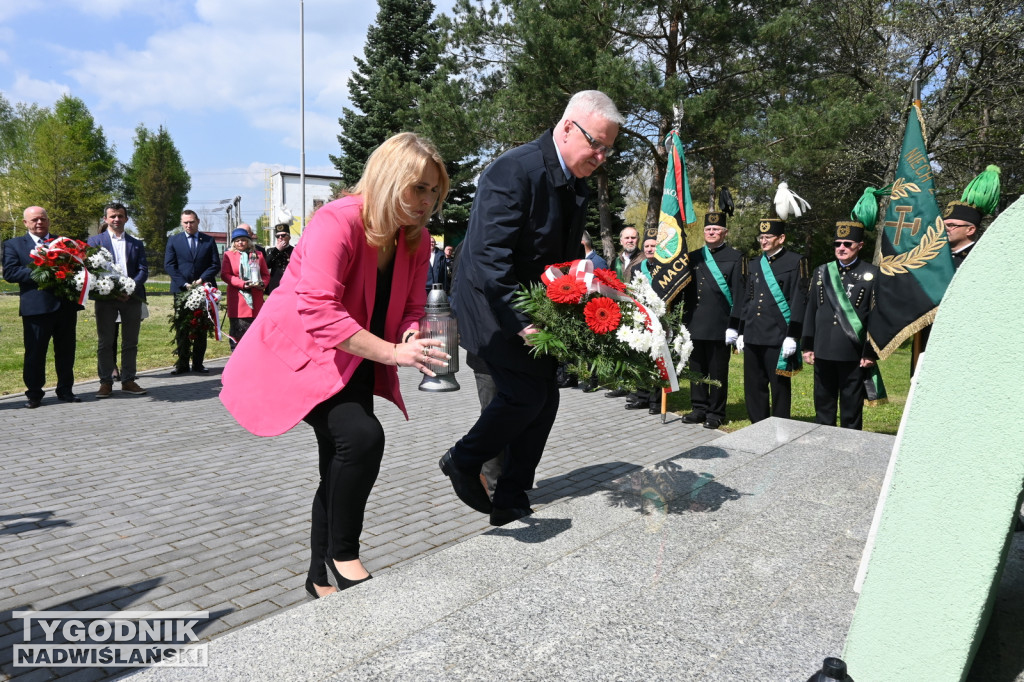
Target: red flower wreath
x,y
608,277
565,289
602,315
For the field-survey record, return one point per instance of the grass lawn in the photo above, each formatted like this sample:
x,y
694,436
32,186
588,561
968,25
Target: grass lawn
x,y
156,347
881,419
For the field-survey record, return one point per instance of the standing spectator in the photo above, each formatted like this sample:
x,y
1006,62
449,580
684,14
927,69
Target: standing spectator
x,y
650,396
591,255
43,315
279,255
449,266
245,272
834,340
252,237
626,263
771,323
130,259
191,260
528,212
437,267
712,305
328,340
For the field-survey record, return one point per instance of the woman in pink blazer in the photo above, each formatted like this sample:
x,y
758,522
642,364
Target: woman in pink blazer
x,y
344,317
245,272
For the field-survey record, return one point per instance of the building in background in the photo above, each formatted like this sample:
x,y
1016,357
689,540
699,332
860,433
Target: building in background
x,y
284,198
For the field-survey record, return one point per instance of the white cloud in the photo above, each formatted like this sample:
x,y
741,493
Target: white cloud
x,y
29,90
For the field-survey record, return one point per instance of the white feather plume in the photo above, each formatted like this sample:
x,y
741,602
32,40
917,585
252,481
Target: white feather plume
x,y
282,215
788,203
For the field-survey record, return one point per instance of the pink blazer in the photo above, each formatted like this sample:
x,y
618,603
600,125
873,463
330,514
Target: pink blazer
x,y
237,306
326,296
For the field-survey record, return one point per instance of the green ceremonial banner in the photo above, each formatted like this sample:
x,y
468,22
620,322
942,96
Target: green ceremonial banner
x,y
672,271
916,265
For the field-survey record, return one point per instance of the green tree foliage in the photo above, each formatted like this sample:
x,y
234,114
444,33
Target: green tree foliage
x,y
67,168
156,187
399,58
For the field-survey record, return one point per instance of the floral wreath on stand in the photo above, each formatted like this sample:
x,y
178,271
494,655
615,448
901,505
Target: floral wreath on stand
x,y
598,326
196,314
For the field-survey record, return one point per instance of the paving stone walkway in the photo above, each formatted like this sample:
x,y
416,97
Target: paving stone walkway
x,y
163,502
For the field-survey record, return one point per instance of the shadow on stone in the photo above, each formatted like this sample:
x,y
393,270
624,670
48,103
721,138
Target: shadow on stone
x,y
29,522
667,488
112,599
204,389
536,530
579,481
703,452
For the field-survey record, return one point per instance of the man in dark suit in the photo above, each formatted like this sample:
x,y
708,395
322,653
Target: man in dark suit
x,y
279,255
130,258
834,338
437,267
528,213
712,304
191,259
43,315
772,320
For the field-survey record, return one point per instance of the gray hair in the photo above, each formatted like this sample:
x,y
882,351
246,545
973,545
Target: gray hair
x,y
593,102
587,241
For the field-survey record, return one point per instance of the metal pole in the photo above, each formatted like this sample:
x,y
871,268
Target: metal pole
x,y
302,113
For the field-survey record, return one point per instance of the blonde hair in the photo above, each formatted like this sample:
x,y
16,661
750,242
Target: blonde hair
x,y
393,167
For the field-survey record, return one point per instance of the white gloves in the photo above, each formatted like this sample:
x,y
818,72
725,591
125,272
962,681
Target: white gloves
x,y
731,336
788,346
739,343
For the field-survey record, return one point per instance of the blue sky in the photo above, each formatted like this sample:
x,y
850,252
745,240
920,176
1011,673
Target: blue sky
x,y
221,75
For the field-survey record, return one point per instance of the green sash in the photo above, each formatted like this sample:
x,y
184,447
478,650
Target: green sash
x,y
786,367
717,274
854,329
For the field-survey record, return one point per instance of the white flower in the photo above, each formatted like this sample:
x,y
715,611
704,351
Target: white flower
x,y
127,285
80,280
683,346
196,299
104,285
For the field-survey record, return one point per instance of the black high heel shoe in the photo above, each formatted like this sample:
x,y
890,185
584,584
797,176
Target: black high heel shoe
x,y
311,588
343,582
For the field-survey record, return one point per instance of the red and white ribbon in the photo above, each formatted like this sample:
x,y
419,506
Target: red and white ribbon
x,y
212,295
583,271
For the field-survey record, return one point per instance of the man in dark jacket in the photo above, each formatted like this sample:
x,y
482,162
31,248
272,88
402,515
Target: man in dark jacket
x,y
191,259
528,213
834,338
279,255
772,322
713,303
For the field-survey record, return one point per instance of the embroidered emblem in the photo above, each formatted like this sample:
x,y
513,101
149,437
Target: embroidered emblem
x,y
765,226
948,212
842,231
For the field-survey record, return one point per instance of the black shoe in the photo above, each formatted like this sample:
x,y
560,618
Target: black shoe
x,y
311,588
616,393
635,405
694,417
201,370
343,582
179,370
653,410
468,488
69,398
712,423
33,403
500,517
568,383
589,388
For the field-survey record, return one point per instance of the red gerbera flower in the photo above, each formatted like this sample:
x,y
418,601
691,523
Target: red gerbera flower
x,y
566,289
562,266
60,274
608,278
602,315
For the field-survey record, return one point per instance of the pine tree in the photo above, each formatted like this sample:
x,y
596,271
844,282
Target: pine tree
x,y
156,188
400,56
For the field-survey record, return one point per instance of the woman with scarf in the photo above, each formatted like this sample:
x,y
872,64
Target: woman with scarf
x,y
344,318
245,272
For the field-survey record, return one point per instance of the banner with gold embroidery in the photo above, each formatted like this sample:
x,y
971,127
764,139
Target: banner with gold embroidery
x,y
671,271
916,265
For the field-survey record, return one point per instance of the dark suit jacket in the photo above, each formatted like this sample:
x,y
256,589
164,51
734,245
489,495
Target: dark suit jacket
x,y
184,267
599,262
136,266
526,216
822,332
763,323
707,311
33,300
437,273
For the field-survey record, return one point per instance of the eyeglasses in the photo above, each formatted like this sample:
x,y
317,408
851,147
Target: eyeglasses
x,y
607,152
845,245
282,236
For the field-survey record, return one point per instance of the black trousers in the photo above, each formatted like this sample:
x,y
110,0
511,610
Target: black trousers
x,y
710,358
37,331
518,421
237,327
350,443
759,363
843,381
194,349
